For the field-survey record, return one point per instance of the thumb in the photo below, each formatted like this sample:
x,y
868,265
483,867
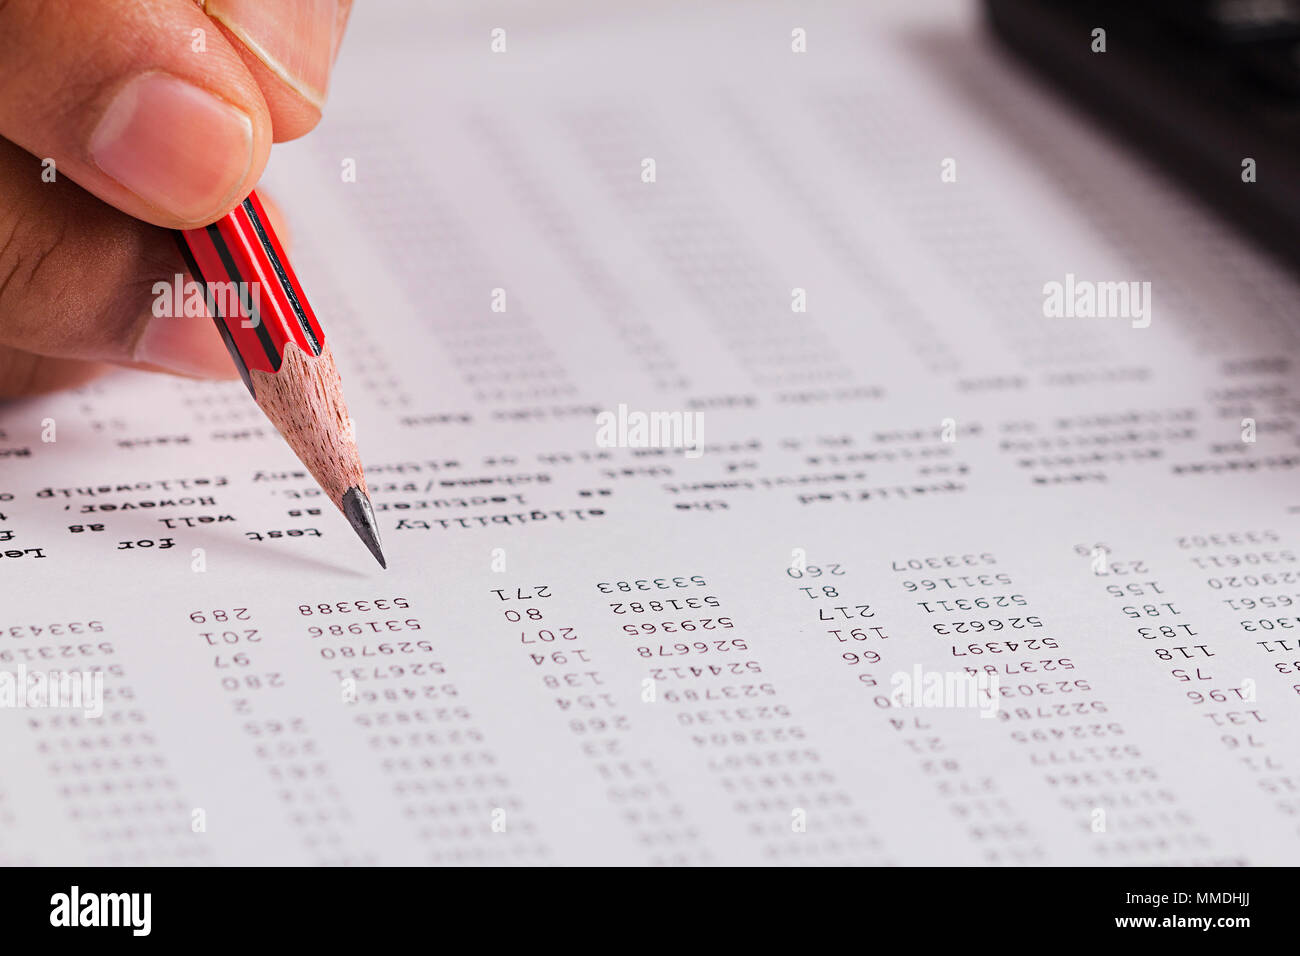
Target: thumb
x,y
147,105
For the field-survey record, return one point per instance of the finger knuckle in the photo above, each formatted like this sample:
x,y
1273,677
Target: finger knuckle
x,y
30,246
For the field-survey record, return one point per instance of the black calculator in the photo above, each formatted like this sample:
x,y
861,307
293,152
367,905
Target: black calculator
x,y
1209,88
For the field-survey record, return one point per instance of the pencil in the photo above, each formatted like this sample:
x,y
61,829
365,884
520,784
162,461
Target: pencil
x,y
281,353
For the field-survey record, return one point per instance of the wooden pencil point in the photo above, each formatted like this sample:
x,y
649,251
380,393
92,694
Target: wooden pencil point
x,y
304,400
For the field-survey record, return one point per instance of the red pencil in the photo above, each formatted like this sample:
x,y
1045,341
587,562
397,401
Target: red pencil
x,y
280,351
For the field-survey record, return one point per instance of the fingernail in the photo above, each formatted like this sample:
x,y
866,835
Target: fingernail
x,y
295,38
187,345
176,146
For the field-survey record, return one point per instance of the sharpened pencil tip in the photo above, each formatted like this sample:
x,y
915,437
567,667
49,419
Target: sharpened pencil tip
x,y
357,509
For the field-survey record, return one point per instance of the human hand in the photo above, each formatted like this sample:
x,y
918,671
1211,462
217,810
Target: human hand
x,y
120,119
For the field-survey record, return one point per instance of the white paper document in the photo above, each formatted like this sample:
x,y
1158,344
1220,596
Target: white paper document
x,y
797,439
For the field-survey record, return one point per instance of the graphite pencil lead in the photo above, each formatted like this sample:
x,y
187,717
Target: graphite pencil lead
x,y
357,509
